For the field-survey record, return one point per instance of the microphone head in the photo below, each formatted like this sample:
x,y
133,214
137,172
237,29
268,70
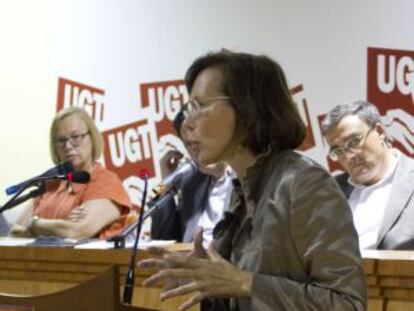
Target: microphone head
x,y
177,178
61,169
80,177
143,174
182,174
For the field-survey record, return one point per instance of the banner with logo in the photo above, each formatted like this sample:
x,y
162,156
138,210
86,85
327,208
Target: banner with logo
x,y
130,78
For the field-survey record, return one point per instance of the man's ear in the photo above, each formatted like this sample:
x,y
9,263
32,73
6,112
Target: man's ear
x,y
380,129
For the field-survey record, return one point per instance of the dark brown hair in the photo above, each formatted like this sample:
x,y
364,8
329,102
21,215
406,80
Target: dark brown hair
x,y
267,117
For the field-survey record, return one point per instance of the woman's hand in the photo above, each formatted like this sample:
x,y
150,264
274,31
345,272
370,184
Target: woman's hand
x,y
19,231
170,161
210,277
77,214
158,252
22,227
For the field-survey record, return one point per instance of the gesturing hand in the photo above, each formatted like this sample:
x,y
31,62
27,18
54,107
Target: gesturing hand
x,y
198,252
210,277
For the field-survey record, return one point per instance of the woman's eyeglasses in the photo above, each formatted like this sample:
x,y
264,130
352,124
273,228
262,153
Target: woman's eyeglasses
x,y
195,107
75,140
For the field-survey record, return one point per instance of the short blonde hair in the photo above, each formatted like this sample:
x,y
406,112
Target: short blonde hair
x,y
96,136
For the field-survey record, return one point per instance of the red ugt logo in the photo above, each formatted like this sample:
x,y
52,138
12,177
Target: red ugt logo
x,y
71,93
391,89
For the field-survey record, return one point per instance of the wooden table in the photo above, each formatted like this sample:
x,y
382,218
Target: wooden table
x,y
390,280
42,270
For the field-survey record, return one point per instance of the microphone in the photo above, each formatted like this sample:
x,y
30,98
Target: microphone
x,y
176,179
164,192
60,169
16,200
80,177
119,240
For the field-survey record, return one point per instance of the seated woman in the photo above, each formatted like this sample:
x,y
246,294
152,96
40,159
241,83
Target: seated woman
x,y
99,208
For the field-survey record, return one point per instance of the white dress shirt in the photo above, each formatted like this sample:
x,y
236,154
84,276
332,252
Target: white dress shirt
x,y
368,204
218,202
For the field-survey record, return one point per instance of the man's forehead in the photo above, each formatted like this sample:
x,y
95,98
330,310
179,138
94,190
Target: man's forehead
x,y
348,126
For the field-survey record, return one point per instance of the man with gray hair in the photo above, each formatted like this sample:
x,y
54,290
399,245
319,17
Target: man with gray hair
x,y
378,180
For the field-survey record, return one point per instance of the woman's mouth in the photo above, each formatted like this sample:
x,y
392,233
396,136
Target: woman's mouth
x,y
70,157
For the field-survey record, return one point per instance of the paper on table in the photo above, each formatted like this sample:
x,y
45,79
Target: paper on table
x,y
103,244
12,241
99,244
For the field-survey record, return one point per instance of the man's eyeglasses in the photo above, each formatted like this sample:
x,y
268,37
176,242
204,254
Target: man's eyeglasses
x,y
195,107
75,140
353,144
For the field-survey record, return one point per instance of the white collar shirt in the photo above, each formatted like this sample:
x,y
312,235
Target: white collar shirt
x,y
218,202
368,204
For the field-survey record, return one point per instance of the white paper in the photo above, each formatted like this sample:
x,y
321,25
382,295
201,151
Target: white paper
x,y
102,244
12,241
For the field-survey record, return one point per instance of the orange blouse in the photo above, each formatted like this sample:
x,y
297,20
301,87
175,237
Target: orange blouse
x,y
61,198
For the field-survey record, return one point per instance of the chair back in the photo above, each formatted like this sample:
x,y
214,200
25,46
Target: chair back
x,y
101,293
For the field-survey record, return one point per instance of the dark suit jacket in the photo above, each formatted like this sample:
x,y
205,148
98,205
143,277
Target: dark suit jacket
x,y
172,222
397,228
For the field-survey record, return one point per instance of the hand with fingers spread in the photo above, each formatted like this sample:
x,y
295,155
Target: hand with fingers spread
x,y
156,262
158,253
209,277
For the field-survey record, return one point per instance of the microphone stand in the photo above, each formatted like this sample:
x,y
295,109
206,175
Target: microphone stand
x,y
16,200
174,182
130,277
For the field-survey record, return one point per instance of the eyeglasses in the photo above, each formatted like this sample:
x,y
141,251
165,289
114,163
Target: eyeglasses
x,y
195,107
75,140
353,144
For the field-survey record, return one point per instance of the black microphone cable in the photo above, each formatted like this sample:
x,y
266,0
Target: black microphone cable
x,y
130,277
